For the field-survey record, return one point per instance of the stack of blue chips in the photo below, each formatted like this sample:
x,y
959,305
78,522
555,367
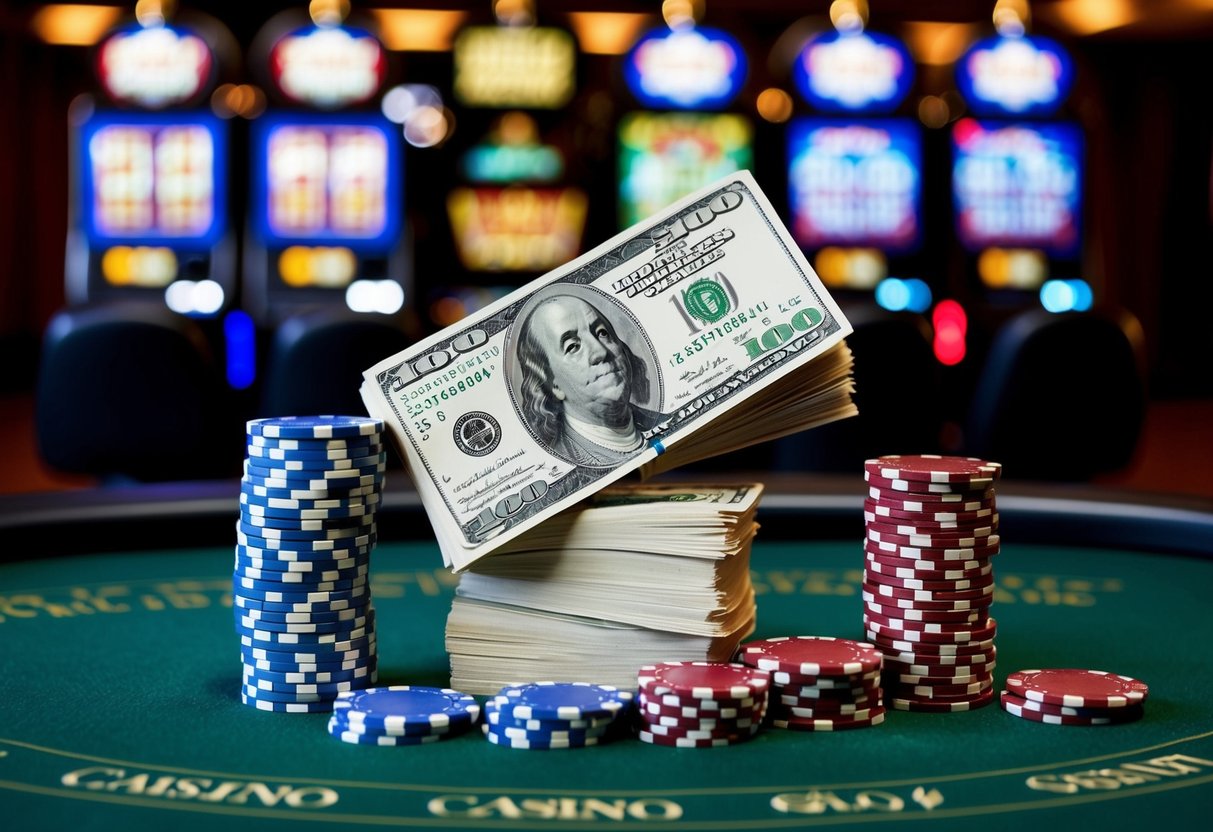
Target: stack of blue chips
x,y
552,715
402,715
300,589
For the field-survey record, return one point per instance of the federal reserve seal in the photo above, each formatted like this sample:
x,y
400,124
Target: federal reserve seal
x,y
477,433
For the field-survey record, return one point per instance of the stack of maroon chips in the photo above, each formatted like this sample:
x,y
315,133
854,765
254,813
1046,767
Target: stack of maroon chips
x,y
1071,696
931,531
819,683
701,704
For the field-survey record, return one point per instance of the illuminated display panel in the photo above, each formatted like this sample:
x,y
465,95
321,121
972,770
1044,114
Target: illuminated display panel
x,y
1015,76
854,72
503,66
1017,185
665,156
153,179
154,67
855,183
328,67
685,69
326,180
517,228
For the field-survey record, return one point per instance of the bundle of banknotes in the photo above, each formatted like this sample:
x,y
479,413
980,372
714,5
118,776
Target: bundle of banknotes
x,y
697,332
635,574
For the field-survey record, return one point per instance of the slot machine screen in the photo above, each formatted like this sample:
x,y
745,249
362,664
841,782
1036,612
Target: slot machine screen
x,y
326,180
664,156
153,179
855,183
1017,185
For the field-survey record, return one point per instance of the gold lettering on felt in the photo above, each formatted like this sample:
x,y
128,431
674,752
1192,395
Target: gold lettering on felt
x,y
1123,776
115,780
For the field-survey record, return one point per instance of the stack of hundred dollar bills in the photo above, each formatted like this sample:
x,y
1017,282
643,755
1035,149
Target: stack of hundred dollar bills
x,y
698,332
633,575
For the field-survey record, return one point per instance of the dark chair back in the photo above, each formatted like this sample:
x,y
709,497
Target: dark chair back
x,y
896,391
317,358
1061,396
132,391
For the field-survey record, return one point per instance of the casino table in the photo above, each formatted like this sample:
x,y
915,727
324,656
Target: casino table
x,y
120,677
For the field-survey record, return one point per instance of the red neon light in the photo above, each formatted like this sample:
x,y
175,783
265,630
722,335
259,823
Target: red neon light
x,y
951,324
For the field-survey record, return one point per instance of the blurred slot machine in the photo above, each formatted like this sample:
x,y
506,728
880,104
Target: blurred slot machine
x,y
326,176
855,168
148,211
686,76
512,212
1017,175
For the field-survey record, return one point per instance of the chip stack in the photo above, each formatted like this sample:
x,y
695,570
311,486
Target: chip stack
x,y
819,683
546,716
931,531
1065,696
301,596
701,704
401,715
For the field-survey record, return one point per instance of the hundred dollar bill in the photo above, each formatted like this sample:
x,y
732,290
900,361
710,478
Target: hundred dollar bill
x,y
659,335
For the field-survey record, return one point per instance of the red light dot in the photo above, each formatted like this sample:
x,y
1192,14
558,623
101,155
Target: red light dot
x,y
951,323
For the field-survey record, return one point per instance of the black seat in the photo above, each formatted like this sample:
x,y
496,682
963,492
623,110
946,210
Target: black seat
x,y
317,358
896,391
1061,397
131,391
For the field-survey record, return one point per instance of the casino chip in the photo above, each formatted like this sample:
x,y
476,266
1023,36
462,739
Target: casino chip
x,y
931,533
701,704
300,585
556,715
819,683
316,427
1077,688
401,715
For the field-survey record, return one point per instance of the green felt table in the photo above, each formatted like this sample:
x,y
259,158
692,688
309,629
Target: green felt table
x,y
119,678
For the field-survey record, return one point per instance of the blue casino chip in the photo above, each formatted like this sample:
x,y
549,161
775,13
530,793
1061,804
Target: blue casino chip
x,y
270,454
537,745
251,487
305,607
363,665
319,677
304,617
256,541
314,427
301,556
367,527
287,580
561,700
309,662
298,523
270,442
273,594
287,707
326,478
302,481
256,507
318,467
278,640
393,707
260,685
257,625
331,653
492,715
411,729
269,559
380,739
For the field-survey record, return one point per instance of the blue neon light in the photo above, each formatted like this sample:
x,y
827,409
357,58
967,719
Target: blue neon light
x,y
1015,76
685,69
854,72
240,348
